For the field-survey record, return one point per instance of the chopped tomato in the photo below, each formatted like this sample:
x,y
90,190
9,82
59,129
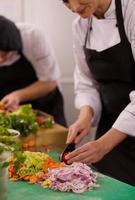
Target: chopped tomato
x,y
40,119
62,158
11,169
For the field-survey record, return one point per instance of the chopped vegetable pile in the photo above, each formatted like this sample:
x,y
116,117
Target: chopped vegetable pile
x,y
77,178
37,167
31,166
25,120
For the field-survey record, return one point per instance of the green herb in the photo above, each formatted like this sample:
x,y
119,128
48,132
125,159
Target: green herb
x,y
19,158
47,123
5,121
24,120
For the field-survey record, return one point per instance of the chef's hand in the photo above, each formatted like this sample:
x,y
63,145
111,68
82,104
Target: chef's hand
x,y
78,130
95,150
81,127
90,152
11,101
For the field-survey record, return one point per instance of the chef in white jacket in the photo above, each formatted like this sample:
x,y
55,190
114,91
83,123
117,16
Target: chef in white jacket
x,y
29,72
104,49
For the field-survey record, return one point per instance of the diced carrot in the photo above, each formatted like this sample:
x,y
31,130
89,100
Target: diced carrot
x,y
33,179
40,175
26,177
14,178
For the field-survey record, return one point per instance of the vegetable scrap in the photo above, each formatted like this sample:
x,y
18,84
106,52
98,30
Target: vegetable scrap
x,y
44,122
37,167
28,144
32,168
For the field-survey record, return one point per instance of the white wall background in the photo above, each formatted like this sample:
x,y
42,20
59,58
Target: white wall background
x,y
11,9
56,22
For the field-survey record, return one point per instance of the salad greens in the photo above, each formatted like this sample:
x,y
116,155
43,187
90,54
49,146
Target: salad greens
x,y
5,121
8,140
25,120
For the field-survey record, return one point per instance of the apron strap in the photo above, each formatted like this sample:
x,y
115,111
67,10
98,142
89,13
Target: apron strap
x,y
88,32
120,20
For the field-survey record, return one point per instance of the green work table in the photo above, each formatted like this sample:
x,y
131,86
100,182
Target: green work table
x,y
110,189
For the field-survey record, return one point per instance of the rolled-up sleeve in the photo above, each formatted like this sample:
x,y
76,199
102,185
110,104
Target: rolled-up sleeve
x,y
126,120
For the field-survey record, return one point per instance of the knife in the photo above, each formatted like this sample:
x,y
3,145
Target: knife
x,y
69,148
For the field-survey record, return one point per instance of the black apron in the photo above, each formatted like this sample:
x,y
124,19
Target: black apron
x,y
114,70
21,74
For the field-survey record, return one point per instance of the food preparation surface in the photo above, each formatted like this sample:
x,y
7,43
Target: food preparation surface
x,y
110,189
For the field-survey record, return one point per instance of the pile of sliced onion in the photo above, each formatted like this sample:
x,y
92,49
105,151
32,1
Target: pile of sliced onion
x,y
77,178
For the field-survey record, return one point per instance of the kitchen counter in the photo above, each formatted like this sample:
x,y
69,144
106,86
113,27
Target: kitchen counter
x,y
110,189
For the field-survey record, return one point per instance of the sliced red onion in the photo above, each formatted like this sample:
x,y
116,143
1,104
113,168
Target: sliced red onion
x,y
77,178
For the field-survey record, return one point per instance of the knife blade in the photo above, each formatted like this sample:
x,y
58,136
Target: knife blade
x,y
69,148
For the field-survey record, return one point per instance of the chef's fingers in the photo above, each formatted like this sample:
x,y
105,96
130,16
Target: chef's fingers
x,y
76,152
82,157
80,136
73,131
12,108
7,103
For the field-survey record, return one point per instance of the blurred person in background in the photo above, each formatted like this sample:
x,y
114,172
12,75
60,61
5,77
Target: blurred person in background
x,y
29,72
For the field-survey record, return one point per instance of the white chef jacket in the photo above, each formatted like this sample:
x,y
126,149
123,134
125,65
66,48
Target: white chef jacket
x,y
104,34
38,51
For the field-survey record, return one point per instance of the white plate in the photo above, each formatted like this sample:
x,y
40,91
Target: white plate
x,y
14,131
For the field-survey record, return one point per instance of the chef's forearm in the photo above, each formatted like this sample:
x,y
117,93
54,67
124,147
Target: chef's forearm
x,y
35,90
111,139
86,112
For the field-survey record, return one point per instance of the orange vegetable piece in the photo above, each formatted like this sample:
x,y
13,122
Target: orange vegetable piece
x,y
31,143
25,145
33,179
26,177
40,175
11,169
